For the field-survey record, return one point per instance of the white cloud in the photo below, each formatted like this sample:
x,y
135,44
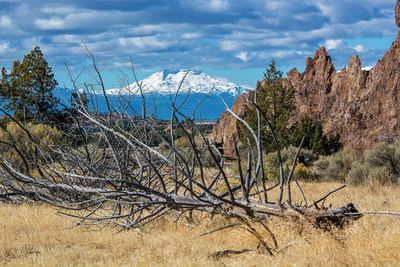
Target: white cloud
x,y
218,5
85,19
277,5
244,56
5,22
208,5
146,43
29,43
58,10
4,46
146,29
49,24
360,49
67,39
229,45
191,35
281,54
342,46
334,44
122,64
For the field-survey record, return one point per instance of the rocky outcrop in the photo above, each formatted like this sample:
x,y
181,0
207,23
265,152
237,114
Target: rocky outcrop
x,y
361,106
225,131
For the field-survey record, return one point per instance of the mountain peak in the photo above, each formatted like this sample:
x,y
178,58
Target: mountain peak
x,y
175,71
167,81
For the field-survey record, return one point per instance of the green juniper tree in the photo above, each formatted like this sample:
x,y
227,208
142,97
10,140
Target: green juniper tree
x,y
276,102
28,89
314,137
4,86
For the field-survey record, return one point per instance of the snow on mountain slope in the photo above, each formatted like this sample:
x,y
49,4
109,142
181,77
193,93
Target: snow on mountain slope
x,y
167,82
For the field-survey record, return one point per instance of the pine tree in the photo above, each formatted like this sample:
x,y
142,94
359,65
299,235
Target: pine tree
x,y
4,85
29,88
9,94
276,102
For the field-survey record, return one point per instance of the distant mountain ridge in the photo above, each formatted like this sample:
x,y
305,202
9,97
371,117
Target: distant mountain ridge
x,y
167,82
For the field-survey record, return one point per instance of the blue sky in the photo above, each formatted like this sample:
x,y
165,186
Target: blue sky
x,y
234,39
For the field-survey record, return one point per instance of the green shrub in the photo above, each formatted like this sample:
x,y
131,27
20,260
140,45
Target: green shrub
x,y
358,173
307,157
337,166
382,175
303,170
380,165
304,173
385,155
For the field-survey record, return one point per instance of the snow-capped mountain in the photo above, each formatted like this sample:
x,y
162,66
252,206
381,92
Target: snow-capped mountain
x,y
168,81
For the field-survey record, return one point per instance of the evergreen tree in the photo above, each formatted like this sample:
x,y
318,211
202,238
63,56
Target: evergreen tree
x,y
8,96
276,102
29,88
315,139
3,85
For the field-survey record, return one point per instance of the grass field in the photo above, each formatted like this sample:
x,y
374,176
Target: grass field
x,y
33,235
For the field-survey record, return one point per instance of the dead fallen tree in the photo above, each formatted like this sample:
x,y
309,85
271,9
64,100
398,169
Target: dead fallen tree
x,y
117,175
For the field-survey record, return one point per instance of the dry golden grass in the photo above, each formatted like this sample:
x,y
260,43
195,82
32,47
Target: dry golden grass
x,y
36,236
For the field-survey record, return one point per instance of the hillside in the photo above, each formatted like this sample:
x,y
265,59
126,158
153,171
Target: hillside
x,y
361,106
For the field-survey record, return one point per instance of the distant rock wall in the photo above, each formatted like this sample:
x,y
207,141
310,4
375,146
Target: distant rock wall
x,y
225,132
361,106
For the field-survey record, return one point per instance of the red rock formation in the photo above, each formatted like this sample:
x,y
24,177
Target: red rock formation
x,y
225,131
363,107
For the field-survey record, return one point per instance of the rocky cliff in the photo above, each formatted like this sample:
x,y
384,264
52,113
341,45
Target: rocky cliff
x,y
362,106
